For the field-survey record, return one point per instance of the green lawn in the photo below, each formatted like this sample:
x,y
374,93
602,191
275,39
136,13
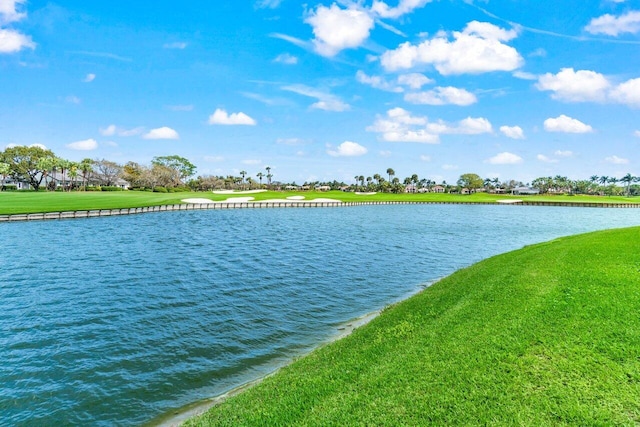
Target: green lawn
x,y
544,336
32,202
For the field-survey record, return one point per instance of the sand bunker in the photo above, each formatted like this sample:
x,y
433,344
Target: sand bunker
x,y
238,192
231,200
201,201
364,194
290,200
509,202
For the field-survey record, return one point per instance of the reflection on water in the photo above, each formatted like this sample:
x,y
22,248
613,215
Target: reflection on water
x,y
115,321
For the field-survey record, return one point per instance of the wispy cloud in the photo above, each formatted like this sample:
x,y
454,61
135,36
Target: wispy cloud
x,y
326,101
106,55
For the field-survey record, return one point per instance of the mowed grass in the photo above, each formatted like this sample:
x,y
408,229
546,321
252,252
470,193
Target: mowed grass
x,y
37,202
548,335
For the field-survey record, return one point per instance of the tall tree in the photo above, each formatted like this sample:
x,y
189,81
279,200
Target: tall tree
x,y
23,163
627,179
183,166
269,176
4,172
391,173
106,171
86,166
470,181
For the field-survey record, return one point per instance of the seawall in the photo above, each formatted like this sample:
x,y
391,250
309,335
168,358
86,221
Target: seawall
x,y
267,205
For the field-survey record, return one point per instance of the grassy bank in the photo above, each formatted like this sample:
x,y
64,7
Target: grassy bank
x,y
32,202
546,335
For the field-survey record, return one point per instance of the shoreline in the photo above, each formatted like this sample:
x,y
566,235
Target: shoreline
x,y
285,204
178,416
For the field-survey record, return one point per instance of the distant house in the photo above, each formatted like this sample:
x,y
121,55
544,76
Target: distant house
x,y
524,191
438,189
19,185
465,191
323,188
411,188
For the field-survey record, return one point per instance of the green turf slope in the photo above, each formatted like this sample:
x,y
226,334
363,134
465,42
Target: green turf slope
x,y
546,335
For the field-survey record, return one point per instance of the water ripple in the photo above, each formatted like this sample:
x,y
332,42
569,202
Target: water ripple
x,y
114,321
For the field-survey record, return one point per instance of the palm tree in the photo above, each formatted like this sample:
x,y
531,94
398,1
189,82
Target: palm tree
x,y
628,179
243,174
369,179
86,165
74,168
361,179
260,175
377,178
356,180
391,173
269,176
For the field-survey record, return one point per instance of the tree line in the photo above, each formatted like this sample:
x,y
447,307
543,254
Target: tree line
x,y
40,167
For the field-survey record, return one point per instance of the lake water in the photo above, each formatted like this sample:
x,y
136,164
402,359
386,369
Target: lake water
x,y
116,321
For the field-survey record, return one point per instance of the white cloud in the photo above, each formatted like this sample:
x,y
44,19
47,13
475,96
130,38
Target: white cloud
x,y
175,45
414,80
575,86
9,11
348,149
448,167
12,41
383,10
442,96
72,99
545,159
112,130
326,101
377,82
400,126
523,75
336,29
566,124
213,159
505,159
615,25
268,4
425,158
86,145
479,48
616,160
627,93
252,162
285,58
513,132
221,117
636,134
89,78
161,133
385,153
563,153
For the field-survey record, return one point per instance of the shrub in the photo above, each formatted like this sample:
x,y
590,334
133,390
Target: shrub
x,y
111,188
160,190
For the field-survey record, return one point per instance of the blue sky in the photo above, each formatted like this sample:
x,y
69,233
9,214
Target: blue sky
x,y
322,90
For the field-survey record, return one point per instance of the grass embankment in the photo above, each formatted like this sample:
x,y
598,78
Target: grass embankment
x,y
32,202
546,335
